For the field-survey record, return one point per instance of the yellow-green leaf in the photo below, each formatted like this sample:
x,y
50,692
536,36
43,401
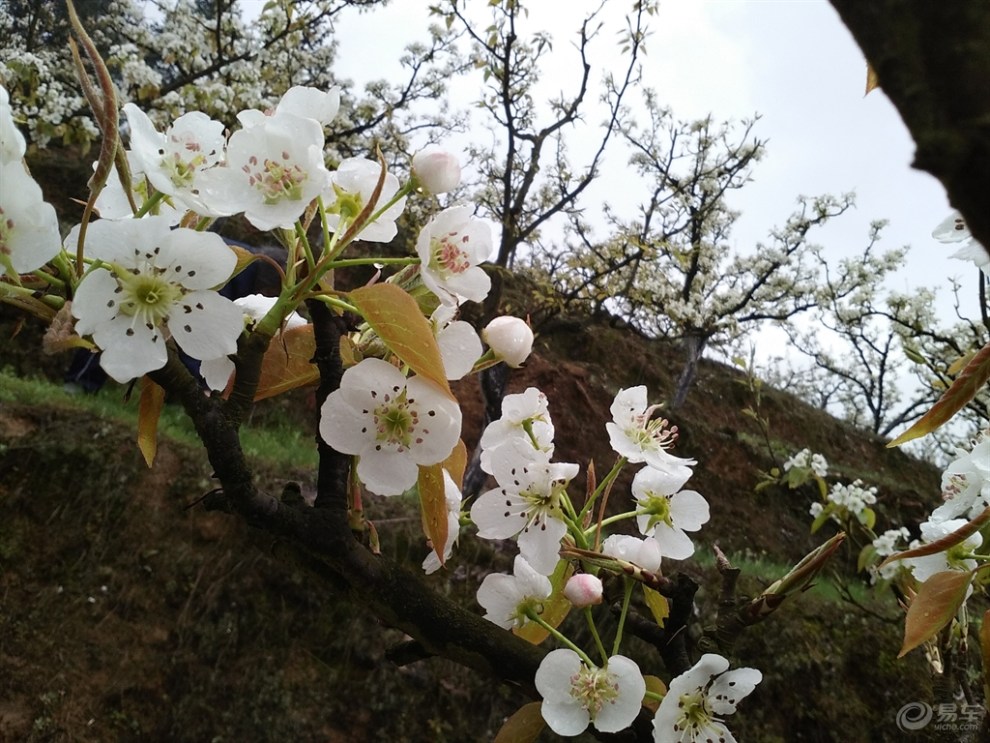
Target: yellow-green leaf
x,y
524,726
657,603
149,410
456,463
936,603
941,545
867,556
244,258
969,382
657,686
433,506
394,315
288,363
555,608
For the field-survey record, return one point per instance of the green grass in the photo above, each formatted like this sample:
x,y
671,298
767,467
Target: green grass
x,y
279,442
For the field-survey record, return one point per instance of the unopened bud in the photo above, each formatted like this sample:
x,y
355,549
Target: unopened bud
x,y
583,590
510,338
436,170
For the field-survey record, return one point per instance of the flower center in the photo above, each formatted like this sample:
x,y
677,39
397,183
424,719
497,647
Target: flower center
x,y
544,503
694,713
348,204
955,486
395,421
593,688
652,434
181,171
658,508
147,297
447,256
276,180
957,555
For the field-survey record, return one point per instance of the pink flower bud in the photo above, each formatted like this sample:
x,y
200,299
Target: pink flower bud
x,y
436,170
510,338
583,590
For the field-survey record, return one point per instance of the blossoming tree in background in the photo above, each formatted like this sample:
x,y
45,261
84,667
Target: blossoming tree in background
x,y
139,285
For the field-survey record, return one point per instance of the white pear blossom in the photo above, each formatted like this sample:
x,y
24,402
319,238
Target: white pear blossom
x,y
393,423
966,482
216,372
174,161
527,503
273,171
665,512
510,338
29,235
300,100
698,699
459,344
451,245
642,552
952,229
112,202
351,187
636,437
576,694
954,558
436,169
12,143
155,284
508,599
452,498
525,416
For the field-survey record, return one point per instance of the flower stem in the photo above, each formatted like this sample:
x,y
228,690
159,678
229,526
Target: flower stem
x,y
612,520
534,617
594,633
345,262
628,583
150,203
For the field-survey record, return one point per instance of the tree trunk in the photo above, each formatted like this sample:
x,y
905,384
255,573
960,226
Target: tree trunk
x,y
694,347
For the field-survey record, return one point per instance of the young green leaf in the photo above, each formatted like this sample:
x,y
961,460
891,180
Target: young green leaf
x,y
395,317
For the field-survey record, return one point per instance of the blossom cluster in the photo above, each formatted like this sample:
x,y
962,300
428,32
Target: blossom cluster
x,y
530,503
806,460
852,500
